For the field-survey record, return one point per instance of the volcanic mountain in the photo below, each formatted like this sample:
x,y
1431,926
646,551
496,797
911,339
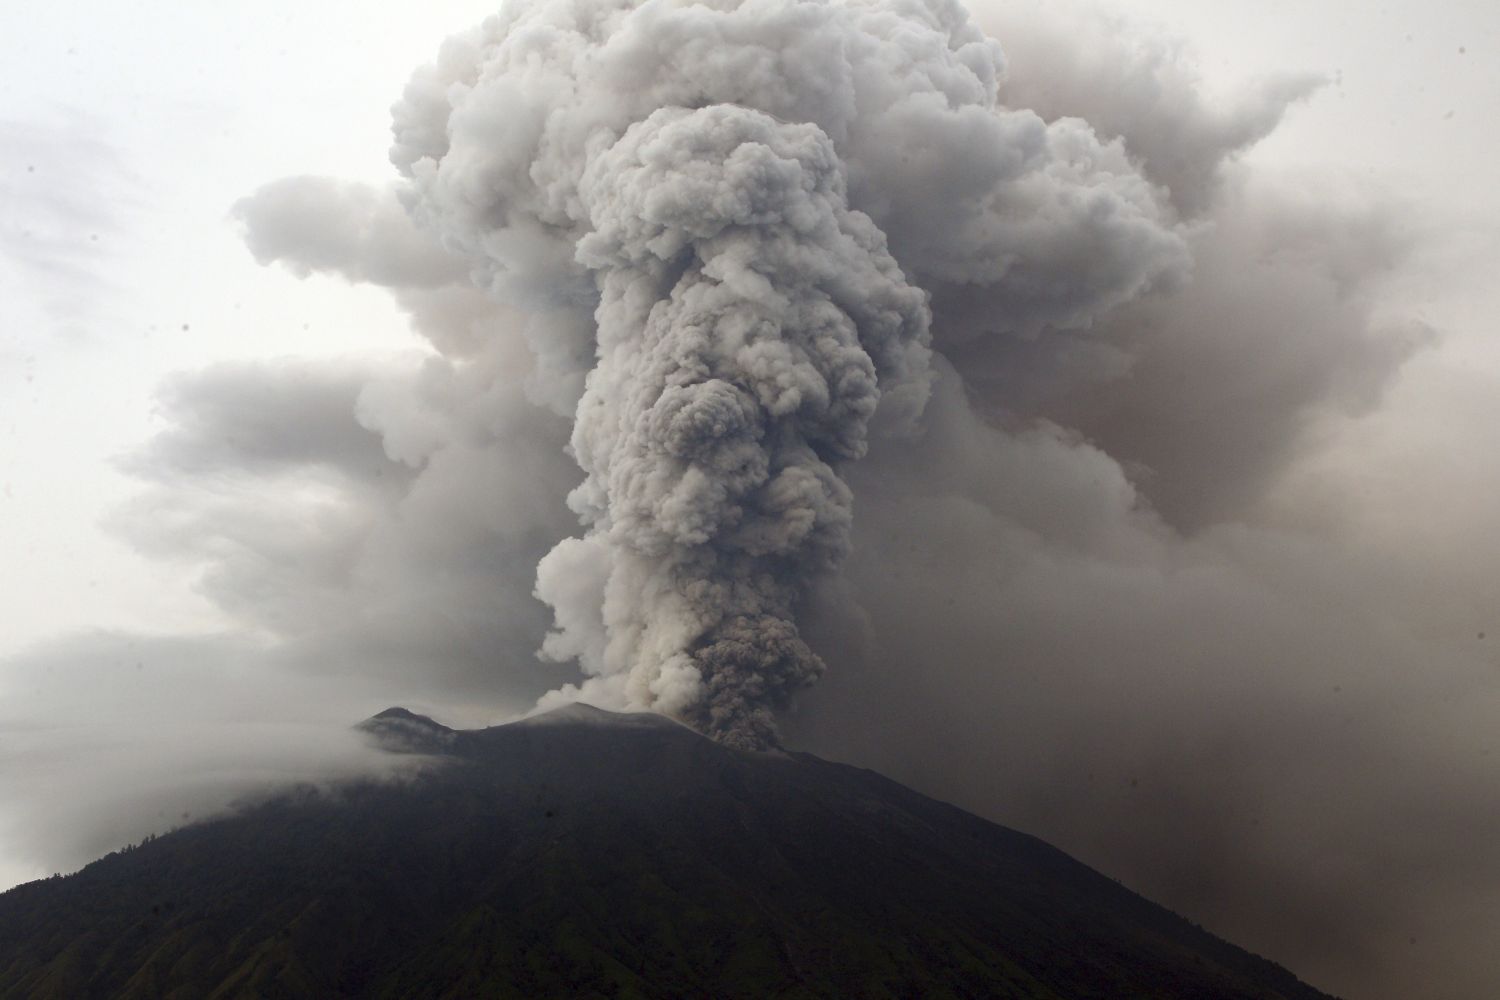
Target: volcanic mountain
x,y
588,854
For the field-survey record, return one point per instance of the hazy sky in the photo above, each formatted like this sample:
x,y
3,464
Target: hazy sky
x,y
1318,511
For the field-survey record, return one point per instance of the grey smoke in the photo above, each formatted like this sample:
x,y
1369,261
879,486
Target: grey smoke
x,y
1082,60
749,325
1183,566
729,212
332,505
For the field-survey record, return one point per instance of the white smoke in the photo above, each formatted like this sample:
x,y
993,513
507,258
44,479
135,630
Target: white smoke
x,y
725,184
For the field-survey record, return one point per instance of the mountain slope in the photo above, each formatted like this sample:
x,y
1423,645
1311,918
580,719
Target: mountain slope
x,y
585,854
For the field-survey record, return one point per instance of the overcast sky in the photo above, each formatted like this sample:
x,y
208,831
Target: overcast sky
x,y
128,133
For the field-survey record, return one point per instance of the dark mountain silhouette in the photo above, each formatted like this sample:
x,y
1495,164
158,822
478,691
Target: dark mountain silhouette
x,y
588,854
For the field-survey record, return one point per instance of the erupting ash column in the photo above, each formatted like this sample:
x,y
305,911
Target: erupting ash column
x,y
748,321
703,206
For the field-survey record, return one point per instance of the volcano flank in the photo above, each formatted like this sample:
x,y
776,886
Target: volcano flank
x,y
584,853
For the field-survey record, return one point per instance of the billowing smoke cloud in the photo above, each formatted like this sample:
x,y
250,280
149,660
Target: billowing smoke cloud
x,y
1176,555
728,183
711,428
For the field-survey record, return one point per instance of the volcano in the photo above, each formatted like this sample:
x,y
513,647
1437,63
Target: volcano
x,y
584,853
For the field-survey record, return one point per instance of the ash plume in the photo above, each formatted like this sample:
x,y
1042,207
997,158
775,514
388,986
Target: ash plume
x,y
746,317
730,187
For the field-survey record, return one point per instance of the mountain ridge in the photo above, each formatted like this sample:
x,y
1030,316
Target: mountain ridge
x,y
590,854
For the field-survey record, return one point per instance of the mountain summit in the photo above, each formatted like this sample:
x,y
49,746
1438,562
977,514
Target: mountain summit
x,y
583,853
